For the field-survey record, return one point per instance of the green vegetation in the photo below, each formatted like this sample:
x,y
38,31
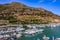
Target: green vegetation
x,y
12,20
26,15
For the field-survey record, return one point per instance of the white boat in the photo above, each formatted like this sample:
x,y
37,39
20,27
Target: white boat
x,y
6,35
32,31
45,37
57,39
18,35
53,38
19,29
12,39
14,33
1,36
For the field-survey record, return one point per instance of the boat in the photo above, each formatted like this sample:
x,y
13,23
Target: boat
x,y
45,37
57,39
18,35
32,32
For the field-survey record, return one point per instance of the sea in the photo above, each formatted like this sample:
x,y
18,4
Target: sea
x,y
51,32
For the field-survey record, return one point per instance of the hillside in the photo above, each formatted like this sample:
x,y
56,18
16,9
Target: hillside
x,y
19,13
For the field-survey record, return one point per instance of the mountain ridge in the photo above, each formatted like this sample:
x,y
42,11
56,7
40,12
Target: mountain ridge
x,y
17,12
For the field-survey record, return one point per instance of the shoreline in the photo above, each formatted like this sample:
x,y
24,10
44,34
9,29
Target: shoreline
x,y
41,25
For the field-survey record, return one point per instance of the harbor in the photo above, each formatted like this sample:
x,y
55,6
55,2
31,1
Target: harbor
x,y
30,32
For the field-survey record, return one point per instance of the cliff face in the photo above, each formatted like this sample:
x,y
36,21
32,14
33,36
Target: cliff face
x,y
17,12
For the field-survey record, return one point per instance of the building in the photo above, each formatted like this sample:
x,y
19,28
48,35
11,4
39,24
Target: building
x,y
4,22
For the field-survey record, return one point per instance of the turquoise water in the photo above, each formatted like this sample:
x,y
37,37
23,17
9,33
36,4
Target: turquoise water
x,y
48,31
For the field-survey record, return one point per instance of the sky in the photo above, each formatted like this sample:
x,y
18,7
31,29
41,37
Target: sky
x,y
50,5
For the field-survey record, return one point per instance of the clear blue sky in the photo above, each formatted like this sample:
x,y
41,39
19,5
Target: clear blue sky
x,y
51,5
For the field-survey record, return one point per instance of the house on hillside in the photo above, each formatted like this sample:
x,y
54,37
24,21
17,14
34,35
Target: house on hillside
x,y
4,22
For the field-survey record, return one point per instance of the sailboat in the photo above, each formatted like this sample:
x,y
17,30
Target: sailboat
x,y
53,38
